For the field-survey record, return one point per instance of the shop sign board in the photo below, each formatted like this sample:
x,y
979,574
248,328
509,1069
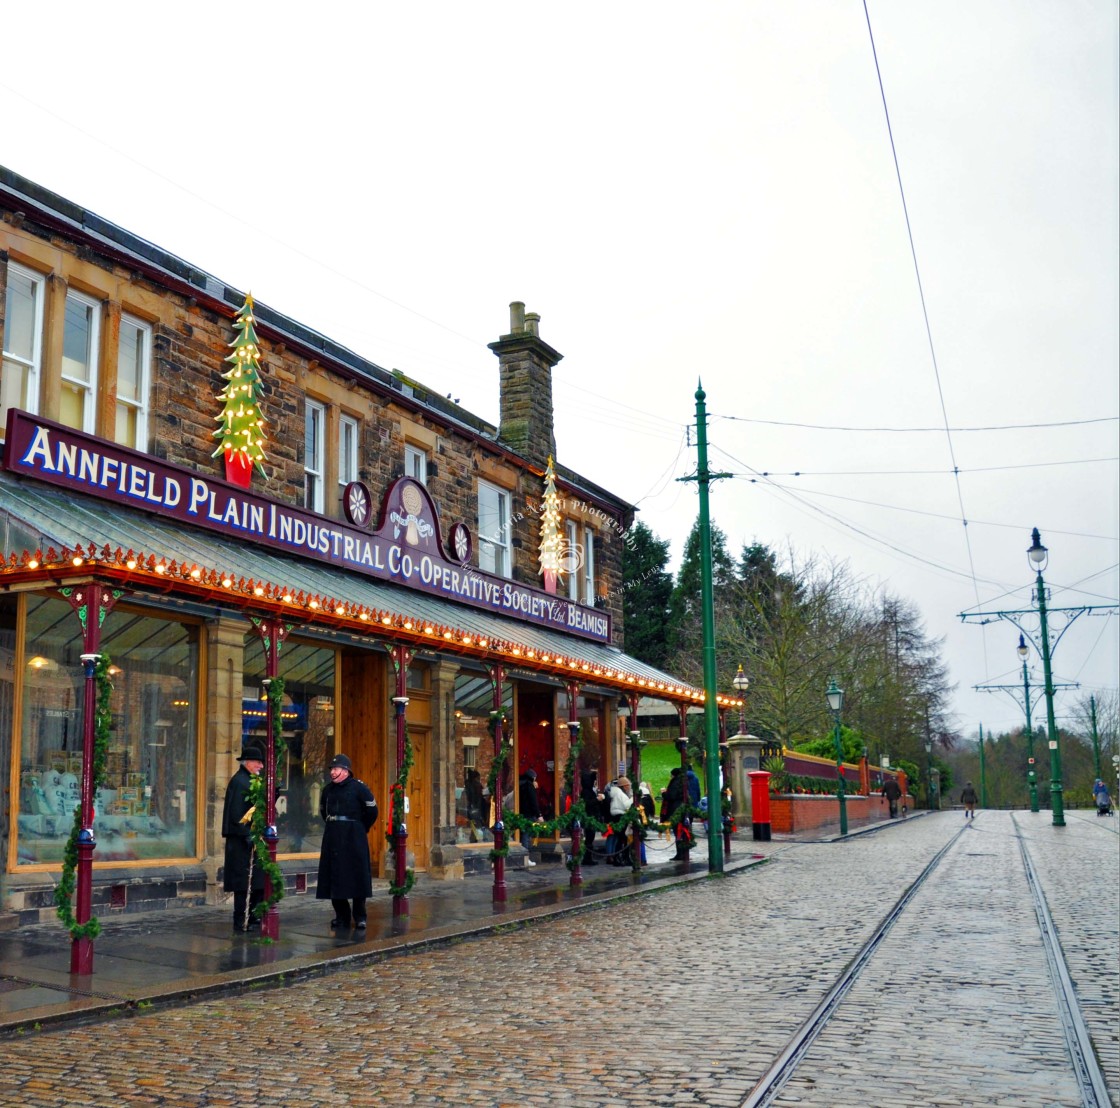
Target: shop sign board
x,y
404,546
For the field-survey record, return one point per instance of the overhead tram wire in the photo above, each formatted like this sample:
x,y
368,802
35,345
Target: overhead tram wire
x,y
808,507
666,476
769,473
1092,649
925,317
938,515
918,430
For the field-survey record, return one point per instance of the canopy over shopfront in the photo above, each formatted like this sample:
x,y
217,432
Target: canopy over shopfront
x,y
53,537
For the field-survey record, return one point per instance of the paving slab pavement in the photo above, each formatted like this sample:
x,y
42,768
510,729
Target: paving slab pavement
x,y
173,956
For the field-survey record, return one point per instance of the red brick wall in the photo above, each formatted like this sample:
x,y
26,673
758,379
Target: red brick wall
x,y
789,814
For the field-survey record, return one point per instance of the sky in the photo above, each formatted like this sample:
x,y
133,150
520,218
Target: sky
x,y
901,326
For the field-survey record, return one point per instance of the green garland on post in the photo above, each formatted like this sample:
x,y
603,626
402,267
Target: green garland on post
x,y
396,798
492,784
64,894
258,824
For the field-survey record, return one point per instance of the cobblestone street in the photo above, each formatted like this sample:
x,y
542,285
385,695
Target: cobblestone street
x,y
678,998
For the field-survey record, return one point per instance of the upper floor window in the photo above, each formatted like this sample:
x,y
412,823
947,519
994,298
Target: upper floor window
x,y
23,341
578,562
571,560
589,566
416,464
134,360
80,335
315,421
347,450
493,529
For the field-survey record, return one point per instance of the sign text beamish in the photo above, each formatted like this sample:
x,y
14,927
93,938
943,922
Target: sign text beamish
x,y
406,547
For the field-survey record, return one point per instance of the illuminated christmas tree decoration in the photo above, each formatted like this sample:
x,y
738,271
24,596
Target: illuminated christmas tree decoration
x,y
550,531
241,417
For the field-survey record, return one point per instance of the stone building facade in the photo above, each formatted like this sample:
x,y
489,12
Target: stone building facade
x,y
114,353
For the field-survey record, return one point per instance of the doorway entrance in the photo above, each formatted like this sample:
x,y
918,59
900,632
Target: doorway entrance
x,y
536,743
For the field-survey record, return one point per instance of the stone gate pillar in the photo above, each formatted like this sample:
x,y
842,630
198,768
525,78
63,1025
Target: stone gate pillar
x,y
744,755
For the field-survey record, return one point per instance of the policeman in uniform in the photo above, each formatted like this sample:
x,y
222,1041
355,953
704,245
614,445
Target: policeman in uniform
x,y
349,810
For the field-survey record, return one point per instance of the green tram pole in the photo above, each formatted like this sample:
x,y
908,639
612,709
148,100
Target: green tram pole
x,y
711,710
1032,777
1038,556
1096,738
983,774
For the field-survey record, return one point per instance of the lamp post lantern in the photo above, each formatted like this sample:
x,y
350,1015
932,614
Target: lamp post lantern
x,y
835,697
1032,778
1037,557
929,771
741,682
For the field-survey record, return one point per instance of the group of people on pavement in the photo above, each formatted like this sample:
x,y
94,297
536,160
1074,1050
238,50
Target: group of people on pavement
x,y
611,803
348,810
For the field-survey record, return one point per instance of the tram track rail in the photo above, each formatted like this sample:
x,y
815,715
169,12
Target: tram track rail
x,y
1085,1066
783,1067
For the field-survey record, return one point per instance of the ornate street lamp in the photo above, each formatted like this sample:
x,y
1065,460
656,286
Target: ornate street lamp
x,y
1032,778
1037,558
835,697
929,768
741,682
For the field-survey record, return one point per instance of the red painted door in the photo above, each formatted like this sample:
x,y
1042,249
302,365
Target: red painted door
x,y
536,744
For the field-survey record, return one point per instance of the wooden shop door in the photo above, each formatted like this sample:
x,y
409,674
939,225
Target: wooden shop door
x,y
419,797
362,723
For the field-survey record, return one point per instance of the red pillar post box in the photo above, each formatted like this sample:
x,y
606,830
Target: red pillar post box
x,y
760,804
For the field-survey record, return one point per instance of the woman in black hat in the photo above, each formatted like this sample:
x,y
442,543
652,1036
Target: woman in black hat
x,y
248,891
349,810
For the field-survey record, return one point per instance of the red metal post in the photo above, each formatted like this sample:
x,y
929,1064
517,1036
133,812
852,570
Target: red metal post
x,y
725,816
402,657
497,679
576,877
760,804
273,632
682,746
91,603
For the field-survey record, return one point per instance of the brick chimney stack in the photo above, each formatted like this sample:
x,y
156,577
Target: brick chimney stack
x,y
525,366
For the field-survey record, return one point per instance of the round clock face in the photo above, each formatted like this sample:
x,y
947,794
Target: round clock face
x,y
357,503
461,545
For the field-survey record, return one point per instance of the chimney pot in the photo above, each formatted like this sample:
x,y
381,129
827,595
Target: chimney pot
x,y
532,323
516,317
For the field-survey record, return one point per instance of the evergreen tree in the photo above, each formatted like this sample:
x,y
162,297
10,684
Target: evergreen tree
x,y
550,530
241,425
646,588
685,628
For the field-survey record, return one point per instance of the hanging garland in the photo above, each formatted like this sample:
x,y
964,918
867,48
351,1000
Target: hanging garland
x,y
492,782
64,893
257,825
396,805
578,809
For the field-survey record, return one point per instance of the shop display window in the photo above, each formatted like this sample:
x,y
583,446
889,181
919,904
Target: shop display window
x,y
146,806
307,726
474,754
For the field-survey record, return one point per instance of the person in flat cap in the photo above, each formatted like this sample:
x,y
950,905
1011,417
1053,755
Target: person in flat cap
x,y
530,804
349,810
246,882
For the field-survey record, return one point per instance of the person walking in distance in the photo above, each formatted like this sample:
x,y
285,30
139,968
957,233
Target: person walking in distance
x,y
969,800
530,808
240,876
892,792
593,803
349,810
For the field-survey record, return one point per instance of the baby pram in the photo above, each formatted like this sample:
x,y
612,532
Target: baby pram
x,y
1104,801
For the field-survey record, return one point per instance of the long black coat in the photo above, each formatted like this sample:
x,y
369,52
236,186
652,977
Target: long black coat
x,y
239,845
349,810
